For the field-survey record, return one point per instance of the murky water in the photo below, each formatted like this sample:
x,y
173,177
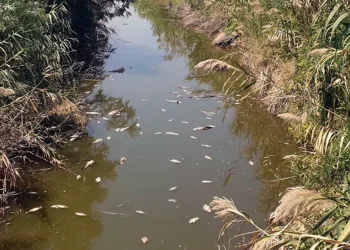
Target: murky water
x,y
159,57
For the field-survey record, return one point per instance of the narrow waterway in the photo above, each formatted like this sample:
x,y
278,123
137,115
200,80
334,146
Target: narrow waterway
x,y
246,150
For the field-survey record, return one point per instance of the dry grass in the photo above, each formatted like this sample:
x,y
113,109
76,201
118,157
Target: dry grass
x,y
9,176
66,108
299,201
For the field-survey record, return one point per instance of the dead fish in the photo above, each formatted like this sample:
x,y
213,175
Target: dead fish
x,y
98,122
206,208
98,179
193,220
170,120
172,200
172,133
178,96
89,163
175,161
158,133
208,118
163,110
184,122
174,101
34,209
193,137
208,113
117,129
141,133
59,206
123,129
113,112
144,240
78,177
105,118
204,128
174,92
97,141
121,205
206,146
173,189
122,160
208,158
251,163
120,70
108,137
92,113
139,212
205,181
80,214
138,125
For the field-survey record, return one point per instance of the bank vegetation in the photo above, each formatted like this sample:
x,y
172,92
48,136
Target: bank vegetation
x,y
47,49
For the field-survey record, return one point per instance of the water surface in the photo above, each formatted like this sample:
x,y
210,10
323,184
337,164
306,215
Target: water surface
x,y
159,56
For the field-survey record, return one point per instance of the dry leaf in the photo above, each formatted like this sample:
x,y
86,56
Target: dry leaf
x,y
144,240
139,212
207,157
59,206
80,214
98,179
173,189
206,208
97,141
34,209
175,161
6,92
193,220
89,163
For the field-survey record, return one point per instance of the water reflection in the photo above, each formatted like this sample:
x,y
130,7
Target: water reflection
x,y
259,132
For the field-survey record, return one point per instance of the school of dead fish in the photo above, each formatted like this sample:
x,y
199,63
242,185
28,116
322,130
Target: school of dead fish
x,y
208,115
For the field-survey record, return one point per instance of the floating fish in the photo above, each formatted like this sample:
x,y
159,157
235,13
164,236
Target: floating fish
x,y
34,209
163,110
78,177
204,128
113,112
208,158
174,92
89,163
108,137
184,122
123,129
144,240
59,206
193,220
138,125
92,113
193,137
208,113
205,181
122,160
171,133
98,122
208,118
80,214
206,146
158,133
117,129
139,212
173,189
172,200
97,141
105,118
174,101
206,208
175,161
121,205
251,163
141,133
170,120
98,179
